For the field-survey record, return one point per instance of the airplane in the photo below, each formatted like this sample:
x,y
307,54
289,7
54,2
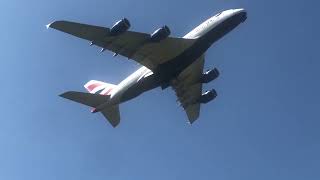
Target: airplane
x,y
166,61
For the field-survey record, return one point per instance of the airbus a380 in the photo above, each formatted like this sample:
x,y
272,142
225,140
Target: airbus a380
x,y
166,61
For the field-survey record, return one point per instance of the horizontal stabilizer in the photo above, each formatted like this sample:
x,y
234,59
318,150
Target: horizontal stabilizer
x,y
92,100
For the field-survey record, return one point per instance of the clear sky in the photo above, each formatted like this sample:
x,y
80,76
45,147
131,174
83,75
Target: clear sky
x,y
263,125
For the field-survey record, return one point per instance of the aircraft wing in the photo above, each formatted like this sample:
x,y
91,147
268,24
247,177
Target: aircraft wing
x,y
133,45
188,89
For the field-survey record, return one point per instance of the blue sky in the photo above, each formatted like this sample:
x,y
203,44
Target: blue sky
x,y
263,125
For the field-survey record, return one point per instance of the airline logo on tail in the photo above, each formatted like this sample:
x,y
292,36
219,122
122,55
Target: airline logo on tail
x,y
98,87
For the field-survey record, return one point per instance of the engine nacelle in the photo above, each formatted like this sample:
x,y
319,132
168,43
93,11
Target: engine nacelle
x,y
120,27
209,75
160,34
208,96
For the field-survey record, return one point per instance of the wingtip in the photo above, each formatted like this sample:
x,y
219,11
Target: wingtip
x,y
63,95
114,125
53,24
48,25
190,123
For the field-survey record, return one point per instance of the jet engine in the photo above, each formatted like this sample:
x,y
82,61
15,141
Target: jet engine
x,y
120,27
209,75
160,34
208,96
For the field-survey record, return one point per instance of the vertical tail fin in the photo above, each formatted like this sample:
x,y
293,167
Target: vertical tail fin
x,y
98,87
112,114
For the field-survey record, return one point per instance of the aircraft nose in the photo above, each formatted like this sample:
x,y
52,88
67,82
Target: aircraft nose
x,y
240,10
241,13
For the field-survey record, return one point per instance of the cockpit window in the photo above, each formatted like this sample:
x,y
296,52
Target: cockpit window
x,y
218,14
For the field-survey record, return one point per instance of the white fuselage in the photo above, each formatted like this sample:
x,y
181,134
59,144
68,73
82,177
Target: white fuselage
x,y
130,81
144,72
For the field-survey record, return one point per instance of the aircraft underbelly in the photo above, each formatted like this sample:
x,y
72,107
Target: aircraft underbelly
x,y
140,87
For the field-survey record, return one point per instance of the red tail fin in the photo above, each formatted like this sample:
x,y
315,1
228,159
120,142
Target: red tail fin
x,y
98,87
